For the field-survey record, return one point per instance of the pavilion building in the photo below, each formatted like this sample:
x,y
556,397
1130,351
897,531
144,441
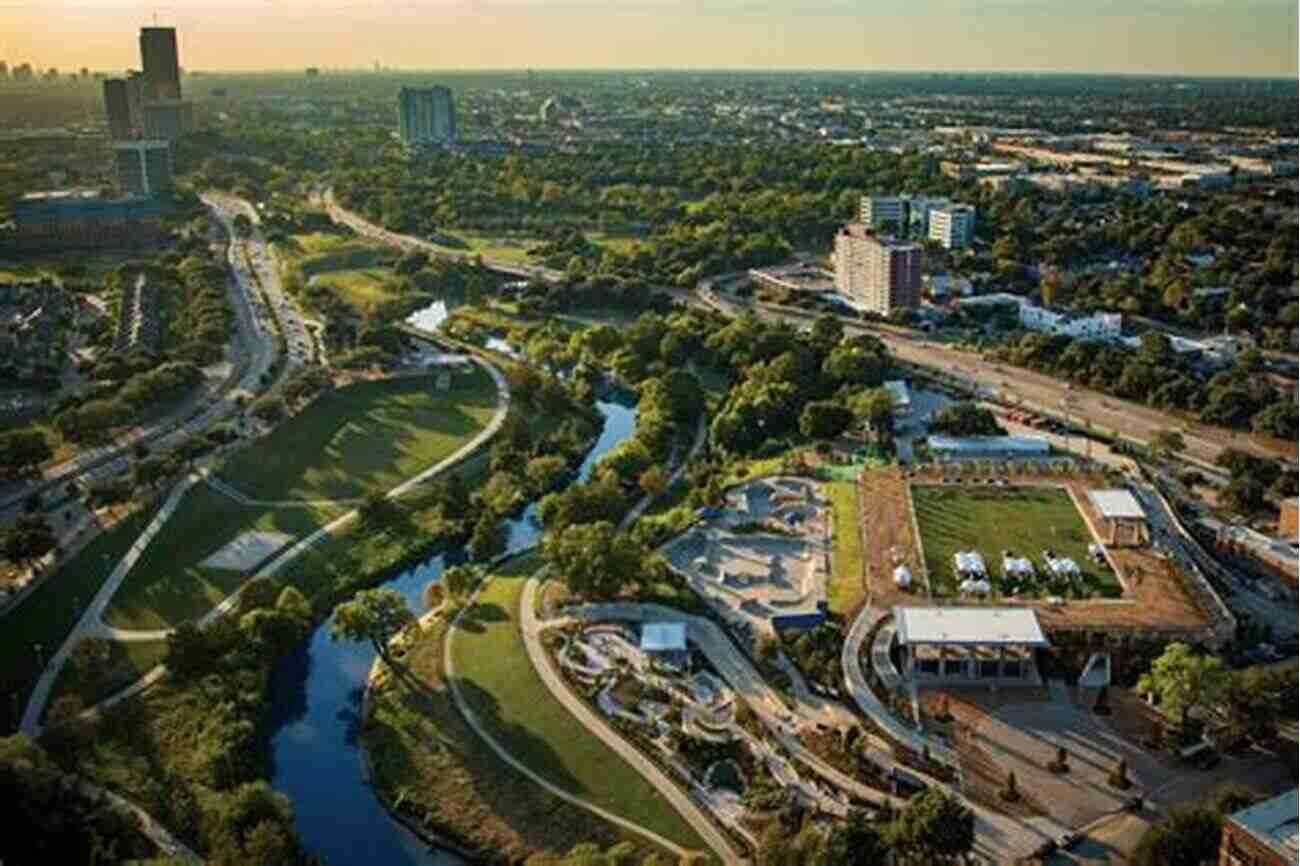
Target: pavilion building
x,y
1121,515
969,645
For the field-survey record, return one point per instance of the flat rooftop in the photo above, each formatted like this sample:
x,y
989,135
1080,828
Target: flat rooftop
x,y
1274,824
989,444
1117,505
969,626
663,636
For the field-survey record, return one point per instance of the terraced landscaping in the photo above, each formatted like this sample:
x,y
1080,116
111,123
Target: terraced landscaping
x,y
505,692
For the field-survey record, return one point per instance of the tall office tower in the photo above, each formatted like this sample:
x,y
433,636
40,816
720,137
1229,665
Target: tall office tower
x,y
168,118
952,226
117,105
426,115
876,273
143,167
135,100
161,62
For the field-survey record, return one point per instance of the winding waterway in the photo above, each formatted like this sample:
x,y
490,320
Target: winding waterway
x,y
316,696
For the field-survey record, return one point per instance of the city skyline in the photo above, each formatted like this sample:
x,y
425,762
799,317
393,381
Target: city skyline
x,y
1255,38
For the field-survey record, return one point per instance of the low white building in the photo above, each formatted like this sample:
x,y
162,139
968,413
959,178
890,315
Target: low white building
x,y
1097,326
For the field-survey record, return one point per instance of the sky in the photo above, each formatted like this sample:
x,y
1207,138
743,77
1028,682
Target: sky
x,y
1187,37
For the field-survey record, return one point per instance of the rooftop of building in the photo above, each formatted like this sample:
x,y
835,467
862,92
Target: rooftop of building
x,y
989,444
967,626
1274,824
663,636
1117,504
866,232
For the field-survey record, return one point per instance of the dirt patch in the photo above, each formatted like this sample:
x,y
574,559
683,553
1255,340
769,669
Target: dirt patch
x,y
888,537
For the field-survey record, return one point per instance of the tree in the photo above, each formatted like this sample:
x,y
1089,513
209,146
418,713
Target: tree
x,y
965,419
855,841
21,451
654,481
489,537
935,825
30,538
376,615
595,559
824,419
90,657
188,652
1180,679
1188,837
875,406
459,581
1166,443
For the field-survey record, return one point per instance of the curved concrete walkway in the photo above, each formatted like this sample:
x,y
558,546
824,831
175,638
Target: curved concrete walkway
x,y
91,622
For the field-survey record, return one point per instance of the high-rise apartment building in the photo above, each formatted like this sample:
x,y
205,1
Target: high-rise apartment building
x,y
144,167
117,106
876,273
919,210
161,61
426,115
953,227
883,212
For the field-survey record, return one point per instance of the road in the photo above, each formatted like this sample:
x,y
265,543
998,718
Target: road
x,y
1035,391
363,227
254,349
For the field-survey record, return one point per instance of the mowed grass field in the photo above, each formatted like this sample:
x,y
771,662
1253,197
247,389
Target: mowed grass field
x,y
1025,520
422,750
848,587
168,585
127,662
505,692
360,288
364,438
48,614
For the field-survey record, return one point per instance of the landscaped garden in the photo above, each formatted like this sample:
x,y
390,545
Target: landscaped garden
x,y
1024,520
505,692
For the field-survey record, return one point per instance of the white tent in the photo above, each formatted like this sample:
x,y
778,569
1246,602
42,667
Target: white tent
x,y
1016,566
969,562
976,587
1063,567
902,576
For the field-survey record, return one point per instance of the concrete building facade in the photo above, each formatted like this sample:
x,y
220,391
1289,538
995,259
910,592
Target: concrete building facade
x,y
168,119
426,115
117,108
161,61
880,212
876,273
953,227
144,167
80,218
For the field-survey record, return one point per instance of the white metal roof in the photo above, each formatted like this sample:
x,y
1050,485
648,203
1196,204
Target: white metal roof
x,y
1273,823
1117,504
898,392
968,625
663,636
989,444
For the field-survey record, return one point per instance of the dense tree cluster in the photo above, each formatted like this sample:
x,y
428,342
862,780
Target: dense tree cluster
x,y
790,383
1156,375
965,419
1256,485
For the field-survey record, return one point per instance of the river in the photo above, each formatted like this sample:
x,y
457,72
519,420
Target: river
x,y
316,696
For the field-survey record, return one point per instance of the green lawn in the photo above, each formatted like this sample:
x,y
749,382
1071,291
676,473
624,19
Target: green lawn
x,y
168,585
320,242
365,437
360,287
847,587
1025,520
47,616
338,256
127,662
499,682
422,750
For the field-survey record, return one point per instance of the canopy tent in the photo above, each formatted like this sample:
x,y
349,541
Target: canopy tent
x,y
1016,566
975,587
969,562
1062,566
902,576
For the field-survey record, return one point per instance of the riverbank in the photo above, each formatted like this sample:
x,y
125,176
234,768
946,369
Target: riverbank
x,y
432,772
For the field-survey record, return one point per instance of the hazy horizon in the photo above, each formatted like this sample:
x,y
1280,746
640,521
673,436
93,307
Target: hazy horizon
x,y
1248,38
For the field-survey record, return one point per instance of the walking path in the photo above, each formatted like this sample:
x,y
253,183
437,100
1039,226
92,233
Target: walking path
x,y
232,492
91,622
